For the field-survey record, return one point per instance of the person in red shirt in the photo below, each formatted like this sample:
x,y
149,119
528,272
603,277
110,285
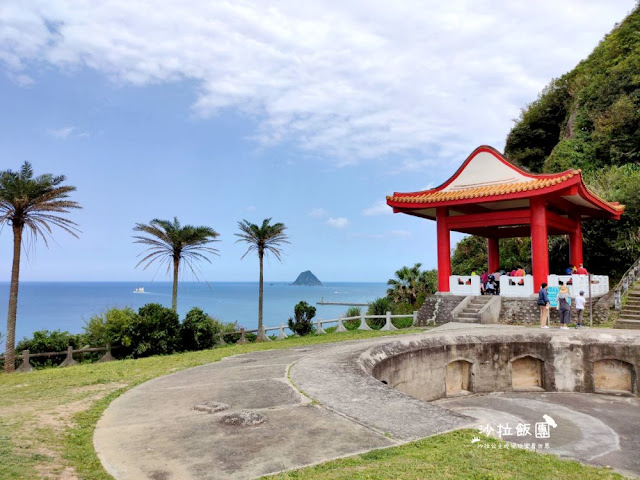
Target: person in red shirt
x,y
581,270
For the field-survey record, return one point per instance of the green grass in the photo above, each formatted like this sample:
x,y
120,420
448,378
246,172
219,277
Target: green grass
x,y
47,417
450,456
47,420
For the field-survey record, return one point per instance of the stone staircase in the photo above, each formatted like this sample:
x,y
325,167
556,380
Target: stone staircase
x,y
630,313
469,314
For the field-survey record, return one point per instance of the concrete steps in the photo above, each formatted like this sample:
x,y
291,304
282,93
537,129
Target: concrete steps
x,y
630,313
470,313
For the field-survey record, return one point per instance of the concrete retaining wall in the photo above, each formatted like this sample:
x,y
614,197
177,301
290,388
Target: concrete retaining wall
x,y
503,363
437,309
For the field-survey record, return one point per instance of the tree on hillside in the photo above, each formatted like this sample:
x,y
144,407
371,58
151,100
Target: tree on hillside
x,y
262,239
175,245
34,203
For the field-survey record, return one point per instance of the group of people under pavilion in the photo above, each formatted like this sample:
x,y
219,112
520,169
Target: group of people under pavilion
x,y
490,197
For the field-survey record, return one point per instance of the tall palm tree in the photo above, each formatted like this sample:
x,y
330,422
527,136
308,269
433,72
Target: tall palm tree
x,y
262,239
172,243
33,203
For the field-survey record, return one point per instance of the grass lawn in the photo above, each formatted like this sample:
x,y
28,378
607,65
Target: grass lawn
x,y
47,420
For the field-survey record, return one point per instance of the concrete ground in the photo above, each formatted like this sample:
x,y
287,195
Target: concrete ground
x,y
596,429
265,412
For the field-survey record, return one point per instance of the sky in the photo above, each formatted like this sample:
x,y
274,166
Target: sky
x,y
308,113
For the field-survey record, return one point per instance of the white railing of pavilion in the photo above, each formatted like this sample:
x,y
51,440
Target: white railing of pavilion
x,y
516,286
464,285
580,283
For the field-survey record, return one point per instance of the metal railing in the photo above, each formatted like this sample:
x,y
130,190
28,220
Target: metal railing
x,y
625,282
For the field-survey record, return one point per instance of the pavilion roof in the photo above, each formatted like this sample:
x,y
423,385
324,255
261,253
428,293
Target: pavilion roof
x,y
487,180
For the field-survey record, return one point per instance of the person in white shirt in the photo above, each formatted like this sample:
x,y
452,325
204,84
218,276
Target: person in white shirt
x,y
580,301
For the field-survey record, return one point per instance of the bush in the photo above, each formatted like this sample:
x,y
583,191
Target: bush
x,y
197,330
352,312
303,313
380,306
47,341
155,331
112,327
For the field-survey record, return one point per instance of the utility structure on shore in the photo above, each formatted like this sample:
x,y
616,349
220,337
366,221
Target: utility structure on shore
x,y
490,197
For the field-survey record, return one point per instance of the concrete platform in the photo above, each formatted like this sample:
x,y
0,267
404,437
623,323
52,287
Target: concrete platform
x,y
322,398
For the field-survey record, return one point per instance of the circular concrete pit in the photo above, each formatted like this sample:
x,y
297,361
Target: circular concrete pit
x,y
347,398
455,365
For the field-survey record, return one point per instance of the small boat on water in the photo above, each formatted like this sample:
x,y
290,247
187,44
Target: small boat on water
x,y
139,290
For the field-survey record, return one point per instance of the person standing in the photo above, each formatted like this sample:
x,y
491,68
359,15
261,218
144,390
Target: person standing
x,y
581,270
543,303
580,301
564,307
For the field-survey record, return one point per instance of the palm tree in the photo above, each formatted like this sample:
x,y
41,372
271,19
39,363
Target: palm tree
x,y
172,243
262,239
34,203
408,284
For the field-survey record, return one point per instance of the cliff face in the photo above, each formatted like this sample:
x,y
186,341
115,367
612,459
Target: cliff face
x,y
307,279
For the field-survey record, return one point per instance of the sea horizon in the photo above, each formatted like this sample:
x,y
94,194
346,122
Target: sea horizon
x,y
68,305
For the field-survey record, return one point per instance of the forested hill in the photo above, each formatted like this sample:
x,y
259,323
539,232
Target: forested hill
x,y
589,119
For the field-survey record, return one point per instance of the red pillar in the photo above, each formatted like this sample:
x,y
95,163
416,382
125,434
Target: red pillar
x,y
539,243
493,255
444,249
575,243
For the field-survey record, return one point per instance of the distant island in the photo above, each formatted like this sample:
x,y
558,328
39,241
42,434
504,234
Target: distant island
x,y
307,279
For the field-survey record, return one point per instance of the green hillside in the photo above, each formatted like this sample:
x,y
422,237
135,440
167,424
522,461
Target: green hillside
x,y
589,119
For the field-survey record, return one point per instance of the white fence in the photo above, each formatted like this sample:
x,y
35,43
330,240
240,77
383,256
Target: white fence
x,y
388,325
464,285
516,286
578,283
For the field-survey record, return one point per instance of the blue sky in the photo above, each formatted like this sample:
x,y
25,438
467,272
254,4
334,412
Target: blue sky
x,y
309,114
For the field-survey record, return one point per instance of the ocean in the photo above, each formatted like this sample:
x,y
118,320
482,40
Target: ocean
x,y
68,305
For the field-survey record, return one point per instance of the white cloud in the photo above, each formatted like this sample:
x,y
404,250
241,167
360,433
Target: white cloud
x,y
66,132
251,208
339,222
378,208
354,80
383,235
61,133
400,233
318,213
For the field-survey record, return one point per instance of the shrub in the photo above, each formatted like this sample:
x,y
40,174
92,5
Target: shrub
x,y
111,327
49,341
380,306
155,331
197,330
303,313
352,312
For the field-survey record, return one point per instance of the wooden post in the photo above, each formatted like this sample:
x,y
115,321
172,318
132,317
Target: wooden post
x,y
69,361
25,366
107,357
242,340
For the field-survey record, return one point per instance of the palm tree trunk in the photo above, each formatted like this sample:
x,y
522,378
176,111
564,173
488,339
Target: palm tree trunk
x,y
10,353
174,295
260,296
